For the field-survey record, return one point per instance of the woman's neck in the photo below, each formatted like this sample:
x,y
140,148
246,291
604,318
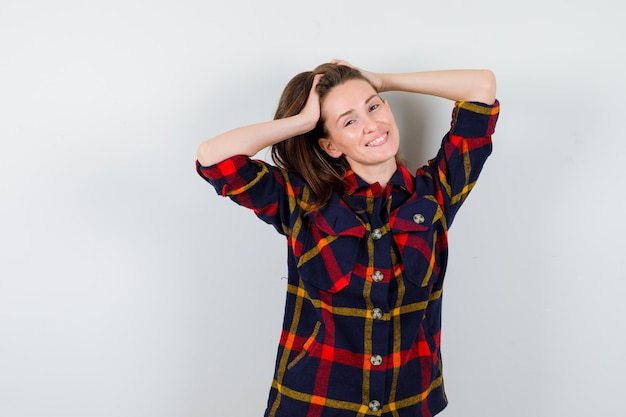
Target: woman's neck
x,y
380,173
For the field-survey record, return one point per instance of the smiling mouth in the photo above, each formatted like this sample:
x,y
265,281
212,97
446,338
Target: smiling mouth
x,y
378,141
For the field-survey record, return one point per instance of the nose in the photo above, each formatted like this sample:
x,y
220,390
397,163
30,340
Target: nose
x,y
369,124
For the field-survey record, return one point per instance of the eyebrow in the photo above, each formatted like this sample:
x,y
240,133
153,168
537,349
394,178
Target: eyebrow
x,y
351,110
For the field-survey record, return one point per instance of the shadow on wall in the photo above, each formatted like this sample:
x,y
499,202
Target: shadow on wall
x,y
413,117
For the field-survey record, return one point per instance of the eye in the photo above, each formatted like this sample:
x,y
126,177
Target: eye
x,y
349,122
374,106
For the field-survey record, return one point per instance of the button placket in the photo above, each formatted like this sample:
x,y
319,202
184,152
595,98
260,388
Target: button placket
x,y
381,248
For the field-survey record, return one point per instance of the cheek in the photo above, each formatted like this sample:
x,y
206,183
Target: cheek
x,y
389,116
345,138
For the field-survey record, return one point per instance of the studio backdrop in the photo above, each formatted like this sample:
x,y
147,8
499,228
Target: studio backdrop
x,y
129,288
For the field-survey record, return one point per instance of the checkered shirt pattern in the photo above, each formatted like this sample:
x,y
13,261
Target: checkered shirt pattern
x,y
362,326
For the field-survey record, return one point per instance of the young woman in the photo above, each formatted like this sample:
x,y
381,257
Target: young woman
x,y
367,240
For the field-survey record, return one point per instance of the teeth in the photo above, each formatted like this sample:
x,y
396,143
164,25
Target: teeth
x,y
377,141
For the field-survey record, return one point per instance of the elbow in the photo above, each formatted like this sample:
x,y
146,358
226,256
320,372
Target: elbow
x,y
486,91
204,155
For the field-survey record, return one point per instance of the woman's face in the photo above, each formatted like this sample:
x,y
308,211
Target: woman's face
x,y
360,126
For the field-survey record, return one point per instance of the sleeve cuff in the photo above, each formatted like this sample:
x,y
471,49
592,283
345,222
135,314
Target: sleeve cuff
x,y
473,119
230,174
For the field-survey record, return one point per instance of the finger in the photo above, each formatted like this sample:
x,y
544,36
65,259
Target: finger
x,y
316,79
341,62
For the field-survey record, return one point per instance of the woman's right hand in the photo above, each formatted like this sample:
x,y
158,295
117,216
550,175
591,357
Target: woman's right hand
x,y
250,139
311,110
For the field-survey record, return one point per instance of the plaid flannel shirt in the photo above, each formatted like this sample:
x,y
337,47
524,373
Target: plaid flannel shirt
x,y
362,326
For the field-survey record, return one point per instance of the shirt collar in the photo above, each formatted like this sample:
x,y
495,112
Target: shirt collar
x,y
400,180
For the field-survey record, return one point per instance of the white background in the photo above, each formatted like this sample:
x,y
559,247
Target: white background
x,y
129,288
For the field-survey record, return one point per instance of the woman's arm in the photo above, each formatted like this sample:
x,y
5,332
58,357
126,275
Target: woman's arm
x,y
248,140
457,85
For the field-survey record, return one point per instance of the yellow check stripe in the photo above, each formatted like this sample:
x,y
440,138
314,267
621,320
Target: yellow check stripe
x,y
359,312
361,409
316,399
416,399
313,252
444,182
463,193
289,344
250,184
477,108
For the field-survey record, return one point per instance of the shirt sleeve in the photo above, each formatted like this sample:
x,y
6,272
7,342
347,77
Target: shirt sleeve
x,y
253,184
463,152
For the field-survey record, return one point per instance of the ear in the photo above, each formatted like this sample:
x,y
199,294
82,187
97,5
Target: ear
x,y
328,146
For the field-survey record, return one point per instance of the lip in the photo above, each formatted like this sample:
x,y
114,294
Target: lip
x,y
379,141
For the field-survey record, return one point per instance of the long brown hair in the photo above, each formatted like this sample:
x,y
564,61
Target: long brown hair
x,y
302,154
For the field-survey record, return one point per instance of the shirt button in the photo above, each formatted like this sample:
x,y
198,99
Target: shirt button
x,y
374,405
377,276
377,314
376,360
418,218
377,234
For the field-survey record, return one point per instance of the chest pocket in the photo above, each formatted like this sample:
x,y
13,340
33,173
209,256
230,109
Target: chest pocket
x,y
415,227
330,246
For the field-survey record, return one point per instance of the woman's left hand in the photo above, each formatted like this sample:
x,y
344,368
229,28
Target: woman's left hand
x,y
374,78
